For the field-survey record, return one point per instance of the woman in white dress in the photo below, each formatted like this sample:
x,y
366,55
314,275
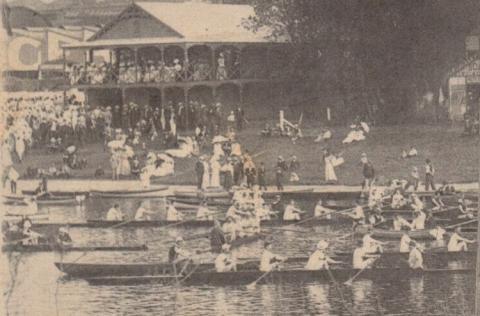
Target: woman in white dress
x,y
331,161
215,176
19,147
206,174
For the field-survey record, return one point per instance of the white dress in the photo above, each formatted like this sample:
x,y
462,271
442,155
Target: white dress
x,y
330,163
19,147
206,175
215,177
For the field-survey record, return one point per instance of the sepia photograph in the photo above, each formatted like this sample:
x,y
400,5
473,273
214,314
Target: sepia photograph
x,y
240,157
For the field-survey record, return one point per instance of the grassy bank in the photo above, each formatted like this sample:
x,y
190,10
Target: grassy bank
x,y
455,158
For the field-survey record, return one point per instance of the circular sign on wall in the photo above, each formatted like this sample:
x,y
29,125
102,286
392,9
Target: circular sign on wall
x,y
28,54
24,53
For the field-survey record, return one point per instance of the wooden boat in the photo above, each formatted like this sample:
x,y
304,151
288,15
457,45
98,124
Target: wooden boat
x,y
64,194
137,273
58,248
423,234
202,195
34,217
129,193
41,200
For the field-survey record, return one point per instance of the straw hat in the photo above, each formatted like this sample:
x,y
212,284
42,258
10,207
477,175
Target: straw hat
x,y
322,244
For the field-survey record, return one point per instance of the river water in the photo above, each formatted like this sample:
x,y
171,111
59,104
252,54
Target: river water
x,y
35,287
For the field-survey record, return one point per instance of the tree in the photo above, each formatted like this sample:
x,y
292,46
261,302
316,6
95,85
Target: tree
x,y
392,52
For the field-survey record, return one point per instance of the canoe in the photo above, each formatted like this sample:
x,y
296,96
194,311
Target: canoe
x,y
34,217
128,192
57,248
203,274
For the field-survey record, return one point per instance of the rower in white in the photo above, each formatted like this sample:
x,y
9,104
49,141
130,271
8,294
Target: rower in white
x,y
437,232
458,243
362,259
322,211
292,213
417,204
270,261
405,243
142,213
415,257
399,222
172,214
419,220
204,213
177,252
225,262
372,245
319,260
114,213
437,202
398,200
358,215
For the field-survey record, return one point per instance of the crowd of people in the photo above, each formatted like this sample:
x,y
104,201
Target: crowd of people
x,y
153,71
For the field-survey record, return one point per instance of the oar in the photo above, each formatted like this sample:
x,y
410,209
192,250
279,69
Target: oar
x,y
337,287
252,285
349,282
461,224
288,230
123,223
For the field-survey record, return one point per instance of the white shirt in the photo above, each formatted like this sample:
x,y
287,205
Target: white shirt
x,y
399,223
455,243
172,214
358,212
437,233
320,210
405,243
317,261
358,258
224,263
267,261
141,214
204,213
114,215
291,213
419,221
415,259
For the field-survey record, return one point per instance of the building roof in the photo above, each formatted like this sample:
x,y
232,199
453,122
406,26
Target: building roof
x,y
194,22
21,17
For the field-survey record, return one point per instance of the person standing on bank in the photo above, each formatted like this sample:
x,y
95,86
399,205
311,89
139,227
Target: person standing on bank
x,y
261,174
429,173
368,173
199,170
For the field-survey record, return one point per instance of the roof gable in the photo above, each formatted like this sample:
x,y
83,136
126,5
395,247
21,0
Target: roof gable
x,y
134,22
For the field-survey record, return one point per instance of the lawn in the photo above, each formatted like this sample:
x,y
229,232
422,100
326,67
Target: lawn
x,y
455,158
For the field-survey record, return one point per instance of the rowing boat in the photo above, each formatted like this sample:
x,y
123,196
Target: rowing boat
x,y
137,273
58,248
129,193
423,234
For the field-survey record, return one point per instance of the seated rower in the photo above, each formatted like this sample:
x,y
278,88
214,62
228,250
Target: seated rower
x,y
177,252
457,242
398,201
372,245
217,237
405,243
437,202
63,237
399,222
463,208
225,262
114,213
270,261
437,232
362,259
319,260
358,215
292,213
419,221
230,229
204,213
376,217
415,257
142,213
232,210
29,236
322,211
265,213
172,214
417,204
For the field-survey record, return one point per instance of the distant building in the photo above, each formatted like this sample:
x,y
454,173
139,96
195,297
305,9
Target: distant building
x,y
163,53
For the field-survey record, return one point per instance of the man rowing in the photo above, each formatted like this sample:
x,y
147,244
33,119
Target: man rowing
x,y
398,200
63,237
270,261
230,228
417,204
319,260
217,237
362,258
419,220
172,214
114,213
399,223
372,245
177,252
225,262
415,257
29,236
322,211
437,202
458,243
358,215
292,213
465,211
204,213
405,243
438,232
142,213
